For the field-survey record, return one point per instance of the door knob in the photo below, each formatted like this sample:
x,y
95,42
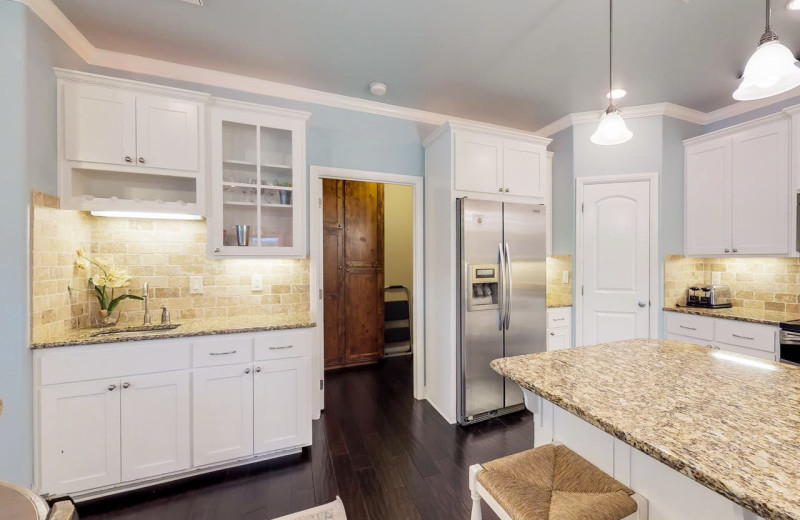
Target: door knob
x,y
642,304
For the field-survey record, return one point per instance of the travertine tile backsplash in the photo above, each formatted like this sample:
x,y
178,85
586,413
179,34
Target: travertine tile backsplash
x,y
163,253
771,284
559,293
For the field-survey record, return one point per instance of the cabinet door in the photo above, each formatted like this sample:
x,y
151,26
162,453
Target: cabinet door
x,y
155,425
332,203
558,339
333,290
364,315
478,165
363,218
708,206
282,397
80,436
99,124
760,183
524,169
167,133
223,413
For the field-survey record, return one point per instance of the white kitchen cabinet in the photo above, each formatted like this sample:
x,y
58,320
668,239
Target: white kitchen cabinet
x,y
559,328
156,424
282,402
751,339
258,179
99,124
795,113
524,169
223,413
737,190
80,435
479,164
167,133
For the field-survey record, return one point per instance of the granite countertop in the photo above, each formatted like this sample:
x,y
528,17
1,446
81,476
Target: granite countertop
x,y
739,313
187,328
732,427
558,305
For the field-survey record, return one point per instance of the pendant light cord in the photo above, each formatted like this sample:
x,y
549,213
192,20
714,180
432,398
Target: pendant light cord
x,y
611,55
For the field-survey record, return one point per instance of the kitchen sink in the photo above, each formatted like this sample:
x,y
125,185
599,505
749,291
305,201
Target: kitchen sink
x,y
137,329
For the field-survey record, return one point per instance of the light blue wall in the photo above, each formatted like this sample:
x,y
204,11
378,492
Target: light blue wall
x,y
336,137
749,116
15,361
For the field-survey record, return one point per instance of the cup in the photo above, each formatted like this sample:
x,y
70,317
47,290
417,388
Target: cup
x,y
243,234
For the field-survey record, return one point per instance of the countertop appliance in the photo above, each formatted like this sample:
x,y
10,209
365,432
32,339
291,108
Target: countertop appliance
x,y
503,311
790,342
709,296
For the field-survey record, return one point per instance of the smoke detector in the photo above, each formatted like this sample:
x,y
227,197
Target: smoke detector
x,y
194,2
378,89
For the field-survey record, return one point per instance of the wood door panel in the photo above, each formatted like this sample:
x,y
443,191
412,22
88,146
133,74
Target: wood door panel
x,y
332,203
363,203
333,291
364,315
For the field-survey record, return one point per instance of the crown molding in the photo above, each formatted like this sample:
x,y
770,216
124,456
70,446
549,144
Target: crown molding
x,y
139,86
743,107
783,115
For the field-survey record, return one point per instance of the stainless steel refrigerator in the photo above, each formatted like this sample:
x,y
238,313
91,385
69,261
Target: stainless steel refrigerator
x,y
501,258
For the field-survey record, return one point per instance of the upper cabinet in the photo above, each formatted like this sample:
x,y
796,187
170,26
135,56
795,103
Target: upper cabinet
x,y
129,146
258,180
496,163
738,190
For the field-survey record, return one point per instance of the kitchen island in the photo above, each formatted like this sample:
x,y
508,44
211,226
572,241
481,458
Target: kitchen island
x,y
702,434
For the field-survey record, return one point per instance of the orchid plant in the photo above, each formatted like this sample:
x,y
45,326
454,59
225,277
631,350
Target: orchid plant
x,y
108,277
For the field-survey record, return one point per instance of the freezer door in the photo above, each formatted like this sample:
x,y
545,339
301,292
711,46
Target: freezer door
x,y
526,324
480,329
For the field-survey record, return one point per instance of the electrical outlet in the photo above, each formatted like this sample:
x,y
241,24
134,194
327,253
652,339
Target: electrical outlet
x,y
565,277
257,282
195,285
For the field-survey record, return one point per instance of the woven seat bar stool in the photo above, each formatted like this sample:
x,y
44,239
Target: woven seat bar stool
x,y
551,483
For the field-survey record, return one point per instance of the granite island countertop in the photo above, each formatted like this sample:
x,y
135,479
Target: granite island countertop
x,y
739,314
732,427
187,328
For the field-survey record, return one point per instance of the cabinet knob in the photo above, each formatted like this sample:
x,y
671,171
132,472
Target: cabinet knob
x,y
141,160
552,333
111,388
126,385
258,369
500,190
727,250
340,267
246,370
216,250
507,190
128,158
735,250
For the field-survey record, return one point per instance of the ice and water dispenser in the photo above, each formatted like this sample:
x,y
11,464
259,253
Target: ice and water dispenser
x,y
484,287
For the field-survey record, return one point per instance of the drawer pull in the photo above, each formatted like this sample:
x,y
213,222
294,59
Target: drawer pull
x,y
228,353
748,338
687,328
281,348
559,319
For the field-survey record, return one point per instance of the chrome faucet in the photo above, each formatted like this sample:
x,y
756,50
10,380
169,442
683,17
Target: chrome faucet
x,y
146,292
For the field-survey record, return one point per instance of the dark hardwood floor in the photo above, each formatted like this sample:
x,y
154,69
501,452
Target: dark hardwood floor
x,y
385,454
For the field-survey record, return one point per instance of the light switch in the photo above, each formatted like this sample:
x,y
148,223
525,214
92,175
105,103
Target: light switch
x,y
257,282
195,285
565,277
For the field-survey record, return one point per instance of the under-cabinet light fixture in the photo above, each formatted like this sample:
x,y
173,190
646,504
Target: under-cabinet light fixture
x,y
744,360
144,214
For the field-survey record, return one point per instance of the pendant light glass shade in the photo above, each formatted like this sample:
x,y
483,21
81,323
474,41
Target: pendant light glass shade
x,y
612,129
770,71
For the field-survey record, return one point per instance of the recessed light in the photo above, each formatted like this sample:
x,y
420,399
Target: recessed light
x,y
793,5
378,89
617,93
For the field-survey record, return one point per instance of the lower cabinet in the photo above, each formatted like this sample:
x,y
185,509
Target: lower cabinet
x,y
750,339
223,413
224,399
559,328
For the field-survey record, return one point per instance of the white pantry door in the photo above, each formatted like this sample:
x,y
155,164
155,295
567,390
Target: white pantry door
x,y
616,261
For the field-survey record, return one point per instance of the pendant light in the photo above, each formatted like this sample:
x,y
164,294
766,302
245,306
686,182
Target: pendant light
x,y
612,129
771,70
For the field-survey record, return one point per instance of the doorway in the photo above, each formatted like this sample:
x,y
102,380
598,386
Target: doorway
x,y
616,257
368,195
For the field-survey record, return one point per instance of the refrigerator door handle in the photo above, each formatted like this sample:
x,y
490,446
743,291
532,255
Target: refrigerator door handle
x,y
509,281
503,287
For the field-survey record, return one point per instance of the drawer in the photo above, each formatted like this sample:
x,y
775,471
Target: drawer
x,y
687,339
748,335
222,350
71,364
770,356
689,325
283,344
559,318
558,339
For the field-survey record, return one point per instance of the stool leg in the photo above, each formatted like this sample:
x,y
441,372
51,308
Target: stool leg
x,y
473,488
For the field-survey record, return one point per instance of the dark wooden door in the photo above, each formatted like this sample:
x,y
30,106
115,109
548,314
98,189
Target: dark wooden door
x,y
353,277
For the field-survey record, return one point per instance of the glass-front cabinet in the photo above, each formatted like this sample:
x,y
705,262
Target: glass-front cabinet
x,y
258,188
